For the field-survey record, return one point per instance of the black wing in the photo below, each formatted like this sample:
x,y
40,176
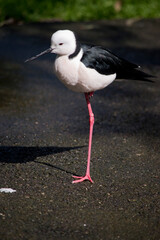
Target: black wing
x,y
105,62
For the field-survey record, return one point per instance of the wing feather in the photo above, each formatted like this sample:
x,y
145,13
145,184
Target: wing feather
x,y
106,62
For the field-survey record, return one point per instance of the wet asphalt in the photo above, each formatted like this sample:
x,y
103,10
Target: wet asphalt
x,y
44,136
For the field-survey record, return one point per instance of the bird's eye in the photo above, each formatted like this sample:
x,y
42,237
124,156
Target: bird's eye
x,y
60,43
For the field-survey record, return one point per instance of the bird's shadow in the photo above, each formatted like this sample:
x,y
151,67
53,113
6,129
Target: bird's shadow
x,y
20,154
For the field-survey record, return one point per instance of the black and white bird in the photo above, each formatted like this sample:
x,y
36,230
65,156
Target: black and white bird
x,y
86,69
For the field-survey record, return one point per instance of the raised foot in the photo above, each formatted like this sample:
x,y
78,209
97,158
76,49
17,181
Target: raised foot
x,y
81,179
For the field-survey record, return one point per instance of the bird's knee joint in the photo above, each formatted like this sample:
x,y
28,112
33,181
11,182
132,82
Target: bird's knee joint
x,y
91,118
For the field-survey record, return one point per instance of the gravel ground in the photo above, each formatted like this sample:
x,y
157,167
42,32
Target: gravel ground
x,y
44,137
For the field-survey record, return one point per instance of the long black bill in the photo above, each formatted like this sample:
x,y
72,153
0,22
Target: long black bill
x,y
38,55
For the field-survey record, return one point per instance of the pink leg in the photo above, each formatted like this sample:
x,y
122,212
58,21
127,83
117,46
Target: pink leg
x,y
91,121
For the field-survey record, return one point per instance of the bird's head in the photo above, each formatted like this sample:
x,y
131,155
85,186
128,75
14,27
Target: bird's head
x,y
63,42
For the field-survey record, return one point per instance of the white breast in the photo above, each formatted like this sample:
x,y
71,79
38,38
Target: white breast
x,y
67,70
77,77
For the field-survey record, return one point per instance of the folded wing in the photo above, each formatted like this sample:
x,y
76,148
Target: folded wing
x,y
105,62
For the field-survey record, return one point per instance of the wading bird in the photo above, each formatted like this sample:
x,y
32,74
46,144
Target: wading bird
x,y
86,69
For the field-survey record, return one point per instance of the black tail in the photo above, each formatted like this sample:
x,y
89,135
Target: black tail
x,y
131,71
136,74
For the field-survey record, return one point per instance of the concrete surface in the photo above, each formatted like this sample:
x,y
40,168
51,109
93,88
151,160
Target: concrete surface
x,y
44,137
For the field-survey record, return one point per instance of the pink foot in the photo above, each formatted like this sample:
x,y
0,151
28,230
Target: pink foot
x,y
81,179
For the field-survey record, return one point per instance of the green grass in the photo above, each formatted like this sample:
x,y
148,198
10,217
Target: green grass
x,y
77,10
